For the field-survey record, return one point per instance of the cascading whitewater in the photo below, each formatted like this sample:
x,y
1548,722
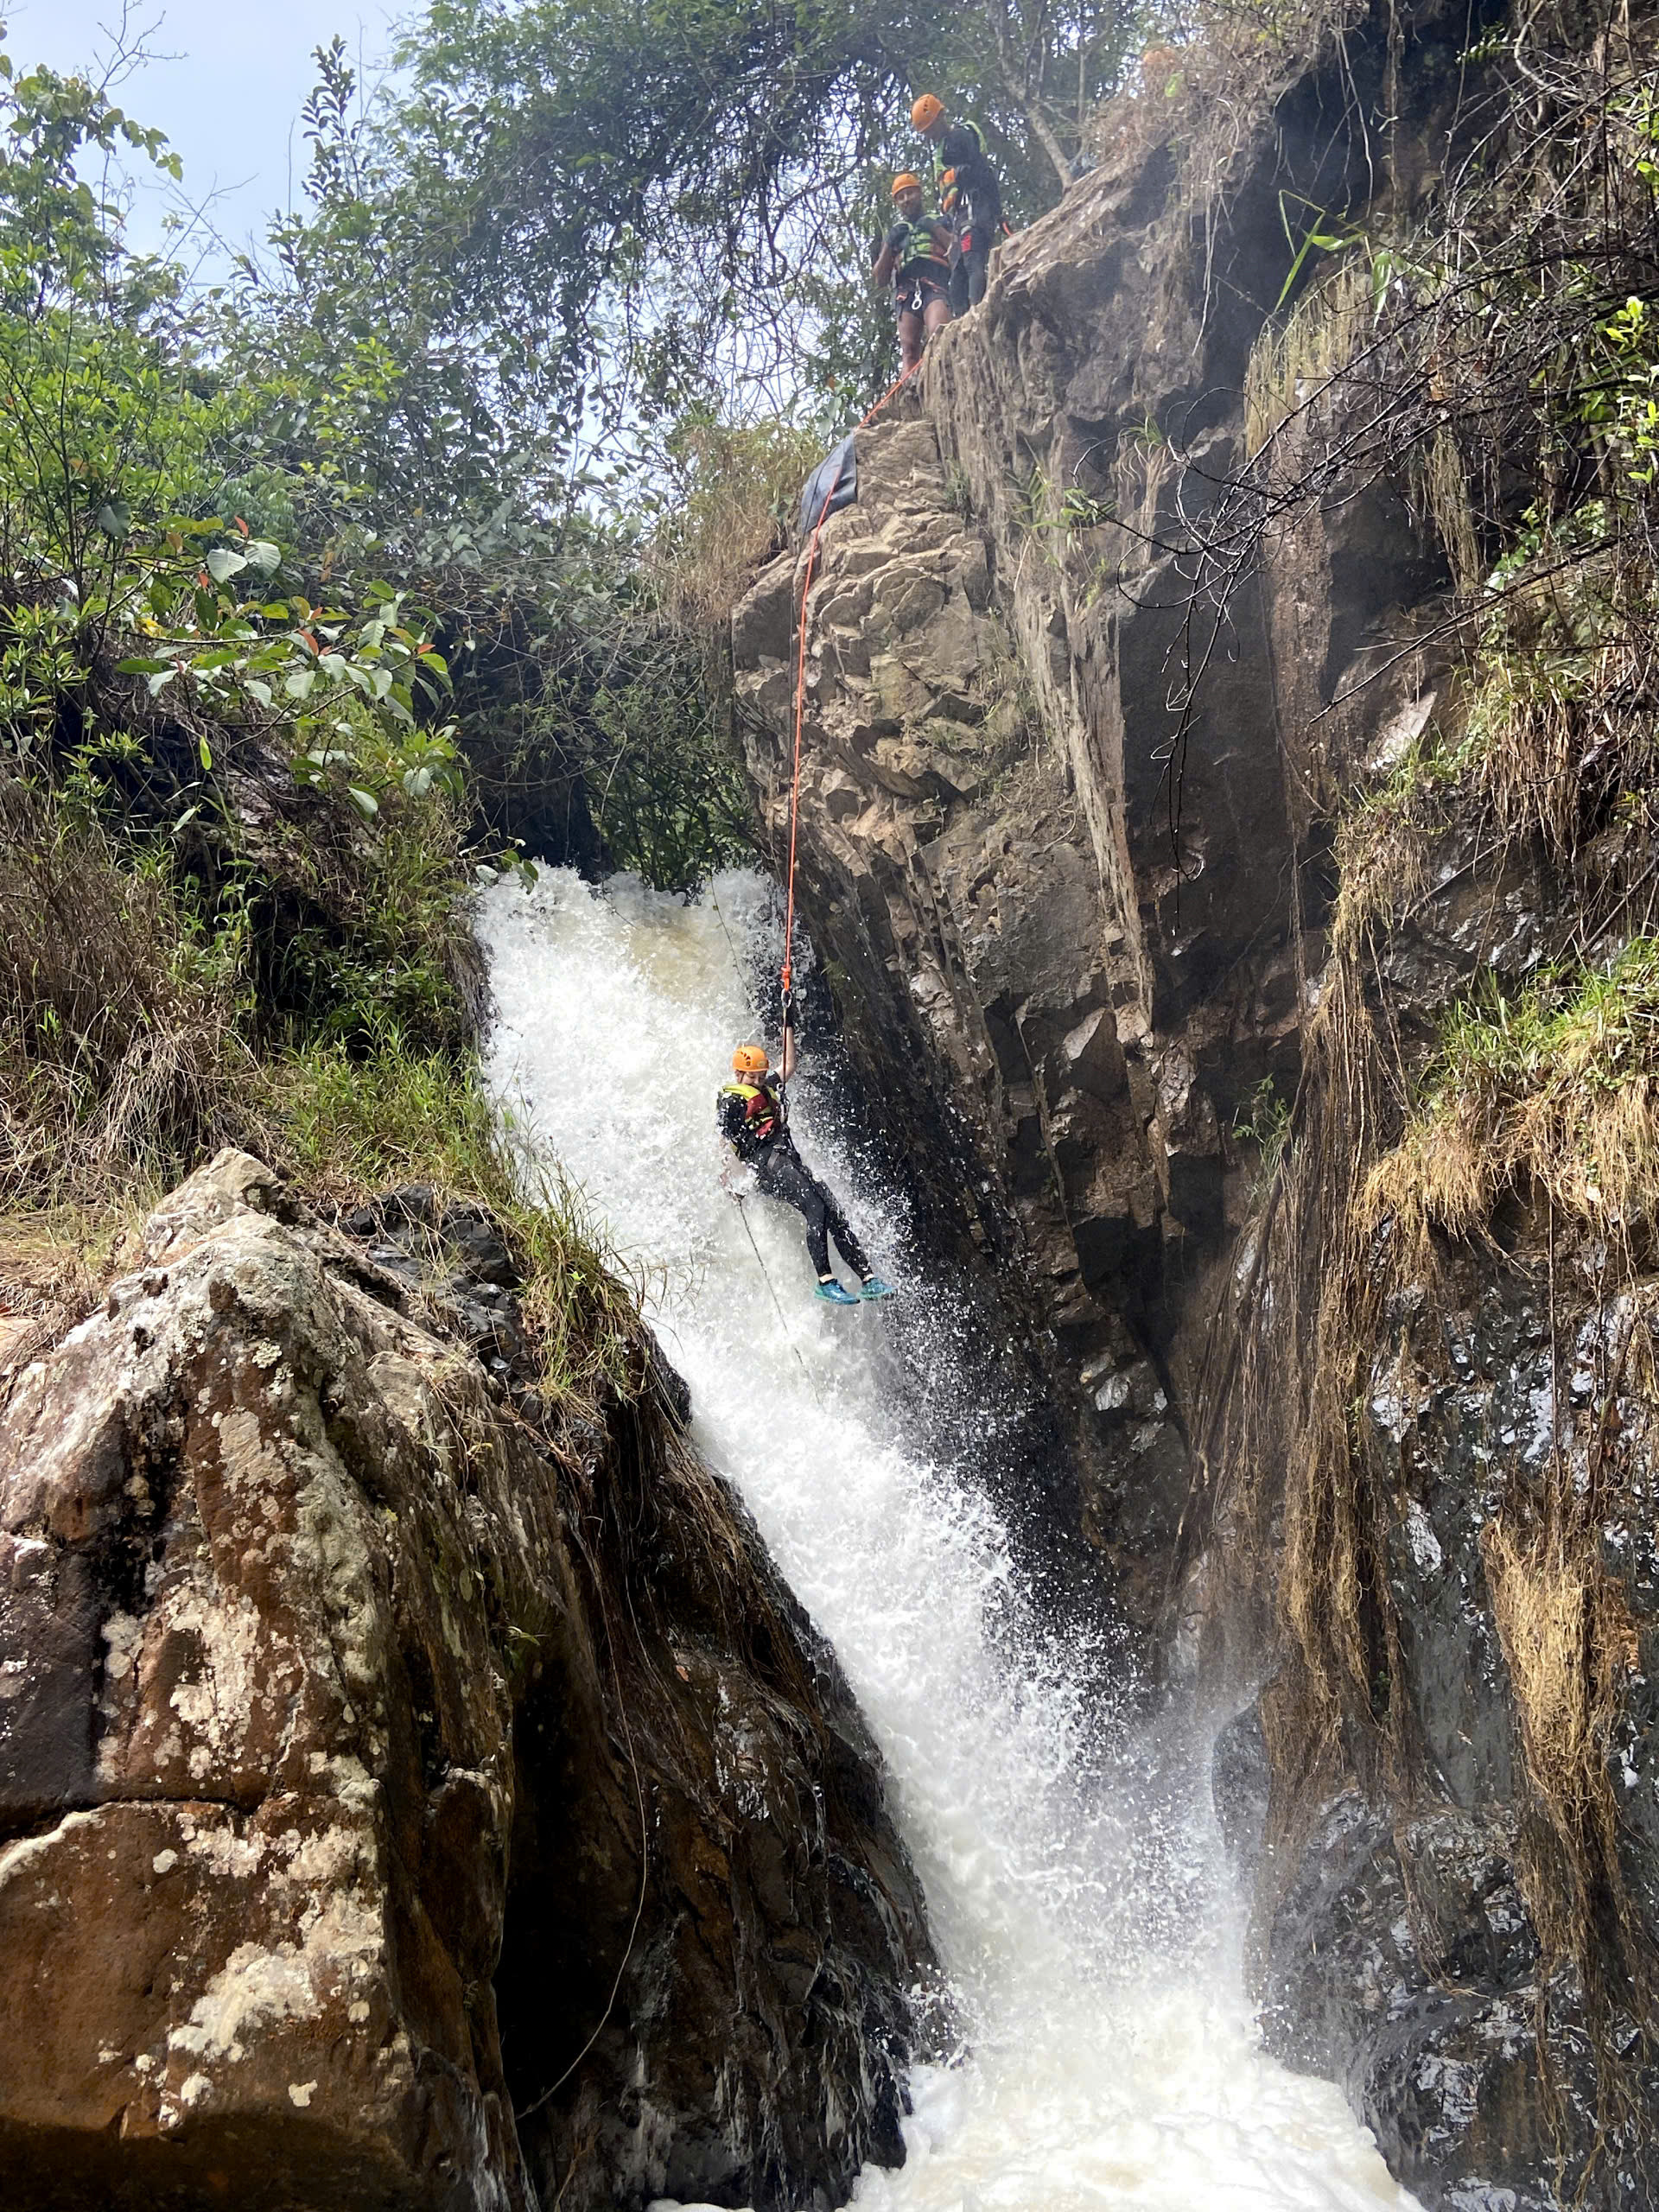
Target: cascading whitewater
x,y
1082,1910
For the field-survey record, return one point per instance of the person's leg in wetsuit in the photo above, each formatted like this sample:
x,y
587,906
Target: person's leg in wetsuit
x,y
969,277
779,1173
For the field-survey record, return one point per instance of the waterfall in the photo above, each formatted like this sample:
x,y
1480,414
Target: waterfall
x,y
1080,1903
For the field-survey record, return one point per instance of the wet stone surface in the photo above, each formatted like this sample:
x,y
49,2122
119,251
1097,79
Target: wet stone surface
x,y
1402,1954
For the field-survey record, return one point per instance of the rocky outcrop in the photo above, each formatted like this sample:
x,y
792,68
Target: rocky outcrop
x,y
412,1792
1073,756
1059,909
1457,1908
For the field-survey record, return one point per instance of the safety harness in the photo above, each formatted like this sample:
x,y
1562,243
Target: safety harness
x,y
762,1112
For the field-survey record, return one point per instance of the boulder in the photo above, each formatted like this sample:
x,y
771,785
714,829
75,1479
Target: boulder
x,y
412,1793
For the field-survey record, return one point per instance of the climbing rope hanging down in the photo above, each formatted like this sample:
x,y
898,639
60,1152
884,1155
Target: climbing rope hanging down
x,y
787,974
737,1195
786,977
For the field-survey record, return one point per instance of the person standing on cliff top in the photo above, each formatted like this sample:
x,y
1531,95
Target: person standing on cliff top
x,y
973,190
754,1120
916,255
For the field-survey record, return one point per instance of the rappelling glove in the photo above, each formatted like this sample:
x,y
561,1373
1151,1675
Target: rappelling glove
x,y
898,238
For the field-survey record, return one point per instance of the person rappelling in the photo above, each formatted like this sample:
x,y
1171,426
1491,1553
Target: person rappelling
x,y
754,1120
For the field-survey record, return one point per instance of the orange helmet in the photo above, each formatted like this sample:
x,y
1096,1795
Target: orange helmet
x,y
905,182
927,110
749,1059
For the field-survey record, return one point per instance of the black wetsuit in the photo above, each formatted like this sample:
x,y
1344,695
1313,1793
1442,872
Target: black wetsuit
x,y
979,211
752,1121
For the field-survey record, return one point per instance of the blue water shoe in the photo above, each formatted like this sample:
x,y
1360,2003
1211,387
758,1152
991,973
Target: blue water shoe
x,y
874,1288
835,1294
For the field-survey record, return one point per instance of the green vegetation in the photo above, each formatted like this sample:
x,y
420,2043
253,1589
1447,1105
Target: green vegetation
x,y
235,816
1264,1121
344,1128
1554,1088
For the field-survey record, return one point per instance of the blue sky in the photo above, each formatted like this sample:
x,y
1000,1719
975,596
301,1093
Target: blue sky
x,y
228,99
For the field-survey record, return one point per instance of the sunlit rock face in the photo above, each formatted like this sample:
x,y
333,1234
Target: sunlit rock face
x,y
1066,843
1058,911
360,1780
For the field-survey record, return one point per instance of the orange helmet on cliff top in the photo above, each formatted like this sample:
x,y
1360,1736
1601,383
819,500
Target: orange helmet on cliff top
x,y
905,182
926,111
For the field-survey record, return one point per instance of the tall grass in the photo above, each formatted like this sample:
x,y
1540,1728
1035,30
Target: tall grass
x,y
121,1055
736,494
1559,1086
134,1043
348,1129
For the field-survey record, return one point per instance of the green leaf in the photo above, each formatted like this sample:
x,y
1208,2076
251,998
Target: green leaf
x,y
115,519
222,564
265,558
366,802
206,751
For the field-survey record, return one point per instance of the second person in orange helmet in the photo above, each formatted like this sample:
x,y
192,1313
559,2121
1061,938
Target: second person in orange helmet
x,y
971,195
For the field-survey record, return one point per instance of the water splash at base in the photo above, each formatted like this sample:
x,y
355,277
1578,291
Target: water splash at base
x,y
1078,1893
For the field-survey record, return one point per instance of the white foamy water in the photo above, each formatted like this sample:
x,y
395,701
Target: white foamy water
x,y
1078,1900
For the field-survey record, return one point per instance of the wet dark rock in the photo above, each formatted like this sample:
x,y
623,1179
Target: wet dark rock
x,y
480,1249
673,1387
1406,1964
1403,1953
1240,1779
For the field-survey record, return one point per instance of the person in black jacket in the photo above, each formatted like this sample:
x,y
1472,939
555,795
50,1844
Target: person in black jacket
x,y
754,1120
974,195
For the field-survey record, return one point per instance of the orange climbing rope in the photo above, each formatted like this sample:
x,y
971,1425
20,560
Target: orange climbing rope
x,y
800,714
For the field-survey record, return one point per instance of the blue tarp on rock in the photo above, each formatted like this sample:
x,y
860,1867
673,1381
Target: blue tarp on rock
x,y
832,485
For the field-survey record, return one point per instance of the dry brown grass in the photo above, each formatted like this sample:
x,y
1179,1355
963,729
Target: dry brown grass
x,y
1567,1636
1556,1090
52,1270
735,501
1384,844
1441,487
1291,361
119,1054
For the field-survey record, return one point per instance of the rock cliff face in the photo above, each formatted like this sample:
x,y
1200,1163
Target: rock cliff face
x,y
1062,921
1066,833
378,1763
